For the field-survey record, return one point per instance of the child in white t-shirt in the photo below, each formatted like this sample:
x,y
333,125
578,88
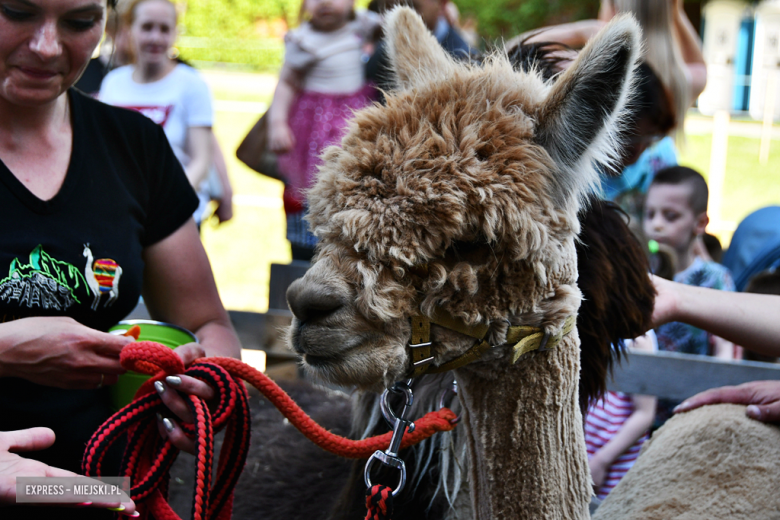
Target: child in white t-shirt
x,y
171,94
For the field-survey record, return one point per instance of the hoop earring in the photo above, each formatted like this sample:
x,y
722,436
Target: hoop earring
x,y
173,53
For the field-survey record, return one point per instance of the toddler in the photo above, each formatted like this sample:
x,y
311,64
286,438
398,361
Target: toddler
x,y
320,85
676,215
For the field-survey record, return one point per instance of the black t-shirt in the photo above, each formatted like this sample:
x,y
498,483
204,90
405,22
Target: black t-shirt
x,y
79,253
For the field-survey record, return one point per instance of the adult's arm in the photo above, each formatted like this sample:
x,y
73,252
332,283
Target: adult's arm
x,y
13,465
200,146
574,34
690,48
606,11
179,288
750,320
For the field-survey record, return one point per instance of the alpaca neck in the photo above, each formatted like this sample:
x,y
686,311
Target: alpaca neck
x,y
527,455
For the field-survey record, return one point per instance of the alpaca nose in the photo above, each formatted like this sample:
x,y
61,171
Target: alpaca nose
x,y
311,301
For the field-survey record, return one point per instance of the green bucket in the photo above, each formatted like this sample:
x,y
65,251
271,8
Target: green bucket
x,y
167,334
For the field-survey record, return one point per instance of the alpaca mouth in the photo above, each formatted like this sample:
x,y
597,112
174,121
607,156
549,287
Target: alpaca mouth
x,y
319,361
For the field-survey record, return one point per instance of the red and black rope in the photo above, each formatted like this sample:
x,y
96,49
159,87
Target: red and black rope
x,y
379,502
148,457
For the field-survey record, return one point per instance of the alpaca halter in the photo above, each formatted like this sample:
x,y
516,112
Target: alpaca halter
x,y
525,339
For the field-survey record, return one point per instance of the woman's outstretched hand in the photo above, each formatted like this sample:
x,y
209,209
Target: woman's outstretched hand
x,y
171,390
762,398
13,465
60,352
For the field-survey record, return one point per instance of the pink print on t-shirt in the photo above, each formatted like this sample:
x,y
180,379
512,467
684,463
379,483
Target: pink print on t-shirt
x,y
158,114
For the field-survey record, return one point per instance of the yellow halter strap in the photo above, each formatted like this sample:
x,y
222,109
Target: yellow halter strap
x,y
524,338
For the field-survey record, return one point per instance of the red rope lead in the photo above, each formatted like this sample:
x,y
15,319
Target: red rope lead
x,y
431,423
148,458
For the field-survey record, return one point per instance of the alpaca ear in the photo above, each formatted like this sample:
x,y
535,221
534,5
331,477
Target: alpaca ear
x,y
415,55
579,120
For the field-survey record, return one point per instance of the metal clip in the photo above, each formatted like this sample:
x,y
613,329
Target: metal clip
x,y
390,456
443,398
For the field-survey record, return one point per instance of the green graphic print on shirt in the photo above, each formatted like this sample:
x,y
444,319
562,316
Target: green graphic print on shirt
x,y
47,283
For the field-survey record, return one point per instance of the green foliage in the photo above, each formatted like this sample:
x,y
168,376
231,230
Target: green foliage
x,y
234,18
259,54
507,18
226,31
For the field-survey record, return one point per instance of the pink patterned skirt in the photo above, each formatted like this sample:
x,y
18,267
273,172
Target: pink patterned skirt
x,y
317,120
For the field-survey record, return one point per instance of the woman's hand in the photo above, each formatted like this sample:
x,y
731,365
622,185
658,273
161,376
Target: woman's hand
x,y
280,137
12,466
762,398
171,392
60,352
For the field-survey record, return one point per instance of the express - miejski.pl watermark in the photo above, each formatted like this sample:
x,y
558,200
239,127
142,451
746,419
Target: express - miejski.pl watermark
x,y
72,490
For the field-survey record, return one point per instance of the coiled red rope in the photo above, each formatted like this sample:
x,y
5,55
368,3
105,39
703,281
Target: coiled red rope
x,y
148,457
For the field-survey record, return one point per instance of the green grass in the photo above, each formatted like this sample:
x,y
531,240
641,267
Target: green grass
x,y
242,250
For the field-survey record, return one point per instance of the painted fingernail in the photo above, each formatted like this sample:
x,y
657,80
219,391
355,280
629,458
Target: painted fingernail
x,y
681,407
168,424
134,514
83,504
117,509
159,387
754,412
173,380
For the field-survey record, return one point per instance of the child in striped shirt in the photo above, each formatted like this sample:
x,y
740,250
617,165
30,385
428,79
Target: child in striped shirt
x,y
616,426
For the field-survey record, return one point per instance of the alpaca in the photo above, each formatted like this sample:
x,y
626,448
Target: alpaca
x,y
617,303
102,275
460,198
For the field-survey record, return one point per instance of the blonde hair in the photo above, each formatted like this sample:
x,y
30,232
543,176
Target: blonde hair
x,y
662,51
128,11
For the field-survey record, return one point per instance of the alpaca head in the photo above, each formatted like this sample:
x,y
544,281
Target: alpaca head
x,y
460,194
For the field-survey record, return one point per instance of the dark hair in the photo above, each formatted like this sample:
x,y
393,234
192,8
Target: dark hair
x,y
714,247
652,102
617,293
545,57
677,175
765,282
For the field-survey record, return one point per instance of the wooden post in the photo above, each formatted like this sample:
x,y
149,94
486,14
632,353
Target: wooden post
x,y
769,115
717,175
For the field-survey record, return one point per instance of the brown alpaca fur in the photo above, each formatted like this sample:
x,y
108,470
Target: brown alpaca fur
x,y
478,174
713,462
617,293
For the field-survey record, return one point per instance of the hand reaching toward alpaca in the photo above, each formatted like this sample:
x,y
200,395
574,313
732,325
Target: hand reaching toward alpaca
x,y
762,398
